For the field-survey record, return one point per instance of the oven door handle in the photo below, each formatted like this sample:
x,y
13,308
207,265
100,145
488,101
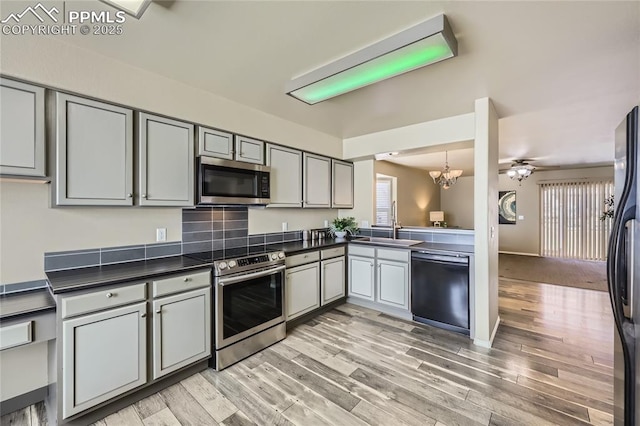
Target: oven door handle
x,y
233,280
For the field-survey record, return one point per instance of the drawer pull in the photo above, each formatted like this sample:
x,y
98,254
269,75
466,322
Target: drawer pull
x,y
159,311
187,279
109,295
143,315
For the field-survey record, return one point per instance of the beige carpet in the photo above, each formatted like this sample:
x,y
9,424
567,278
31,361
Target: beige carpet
x,y
591,275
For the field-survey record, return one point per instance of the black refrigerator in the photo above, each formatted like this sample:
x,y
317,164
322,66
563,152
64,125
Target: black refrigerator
x,y
623,272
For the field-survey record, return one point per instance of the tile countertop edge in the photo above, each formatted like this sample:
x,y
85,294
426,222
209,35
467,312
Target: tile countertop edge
x,y
99,276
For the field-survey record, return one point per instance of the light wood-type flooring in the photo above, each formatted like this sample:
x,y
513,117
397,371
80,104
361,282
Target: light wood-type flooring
x,y
551,363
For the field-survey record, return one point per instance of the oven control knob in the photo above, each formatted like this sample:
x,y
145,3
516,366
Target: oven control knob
x,y
281,255
232,264
274,256
222,265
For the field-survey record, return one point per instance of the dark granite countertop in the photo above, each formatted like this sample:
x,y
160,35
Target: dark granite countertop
x,y
444,248
26,302
83,278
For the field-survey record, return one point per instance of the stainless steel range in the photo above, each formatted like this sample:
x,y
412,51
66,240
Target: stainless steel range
x,y
249,306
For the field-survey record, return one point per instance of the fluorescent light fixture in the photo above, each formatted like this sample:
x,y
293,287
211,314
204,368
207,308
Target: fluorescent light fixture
x,y
134,8
424,44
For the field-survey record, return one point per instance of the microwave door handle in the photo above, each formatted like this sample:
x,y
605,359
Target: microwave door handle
x,y
233,280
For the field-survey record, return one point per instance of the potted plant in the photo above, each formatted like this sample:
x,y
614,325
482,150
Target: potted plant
x,y
341,226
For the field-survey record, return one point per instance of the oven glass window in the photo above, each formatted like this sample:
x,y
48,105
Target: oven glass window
x,y
251,303
226,182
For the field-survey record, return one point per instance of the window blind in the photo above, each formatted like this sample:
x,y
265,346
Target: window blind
x,y
383,201
570,219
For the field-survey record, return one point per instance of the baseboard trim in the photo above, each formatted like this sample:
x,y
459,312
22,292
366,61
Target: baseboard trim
x,y
21,401
519,253
488,343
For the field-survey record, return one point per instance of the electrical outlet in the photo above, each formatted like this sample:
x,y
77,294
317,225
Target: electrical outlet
x,y
161,234
285,226
521,217
326,223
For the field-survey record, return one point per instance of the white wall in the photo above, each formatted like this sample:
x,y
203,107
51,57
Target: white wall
x,y
524,236
457,203
417,195
270,219
486,222
28,227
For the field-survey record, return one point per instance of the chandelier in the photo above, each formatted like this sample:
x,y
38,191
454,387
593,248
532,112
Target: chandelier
x,y
520,170
446,177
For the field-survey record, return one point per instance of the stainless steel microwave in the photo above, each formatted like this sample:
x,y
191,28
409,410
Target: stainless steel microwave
x,y
231,182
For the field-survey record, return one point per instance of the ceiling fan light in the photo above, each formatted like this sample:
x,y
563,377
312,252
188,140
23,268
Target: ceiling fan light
x,y
523,172
511,173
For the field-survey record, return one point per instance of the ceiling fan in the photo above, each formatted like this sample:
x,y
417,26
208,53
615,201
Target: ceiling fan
x,y
520,170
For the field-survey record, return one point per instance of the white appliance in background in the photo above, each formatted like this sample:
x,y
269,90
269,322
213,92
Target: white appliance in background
x,y
623,272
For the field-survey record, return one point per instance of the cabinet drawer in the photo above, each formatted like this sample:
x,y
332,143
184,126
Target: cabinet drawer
x,y
332,252
102,299
301,259
399,255
16,335
358,250
180,283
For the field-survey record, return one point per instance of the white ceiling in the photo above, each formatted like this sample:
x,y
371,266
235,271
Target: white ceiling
x,y
460,159
561,74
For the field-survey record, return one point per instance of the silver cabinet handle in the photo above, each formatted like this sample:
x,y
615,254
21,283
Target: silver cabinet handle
x,y
159,311
187,279
144,196
371,264
144,315
129,195
109,295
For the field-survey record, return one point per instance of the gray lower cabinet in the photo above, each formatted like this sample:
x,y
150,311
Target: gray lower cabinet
x,y
22,134
181,330
94,153
393,283
361,277
165,161
104,354
332,280
286,176
302,290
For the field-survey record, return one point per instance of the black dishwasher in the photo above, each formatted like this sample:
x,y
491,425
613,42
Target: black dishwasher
x,y
440,290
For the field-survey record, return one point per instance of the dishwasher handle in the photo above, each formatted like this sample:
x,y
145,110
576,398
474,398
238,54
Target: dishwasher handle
x,y
424,255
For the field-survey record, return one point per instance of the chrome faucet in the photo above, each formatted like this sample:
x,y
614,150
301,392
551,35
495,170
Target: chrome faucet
x,y
394,220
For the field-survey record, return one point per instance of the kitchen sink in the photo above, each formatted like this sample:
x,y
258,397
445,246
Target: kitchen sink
x,y
386,241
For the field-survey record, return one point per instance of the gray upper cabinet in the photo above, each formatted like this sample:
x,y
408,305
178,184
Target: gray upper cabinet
x,y
249,150
215,143
166,161
94,153
22,140
342,184
317,181
286,176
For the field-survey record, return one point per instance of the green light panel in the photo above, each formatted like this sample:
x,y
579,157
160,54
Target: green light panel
x,y
416,55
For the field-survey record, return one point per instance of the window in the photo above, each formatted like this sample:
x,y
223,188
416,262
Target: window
x,y
384,200
570,219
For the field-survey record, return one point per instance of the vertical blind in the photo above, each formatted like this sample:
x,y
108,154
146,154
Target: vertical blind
x,y
383,201
570,219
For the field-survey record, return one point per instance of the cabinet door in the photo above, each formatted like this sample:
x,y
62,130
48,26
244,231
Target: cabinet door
x,y
361,277
249,150
22,147
166,161
94,153
302,291
286,176
342,185
317,181
332,287
393,283
215,143
103,356
181,330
